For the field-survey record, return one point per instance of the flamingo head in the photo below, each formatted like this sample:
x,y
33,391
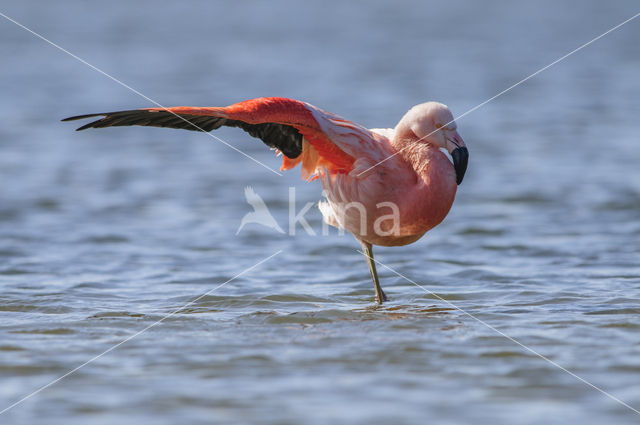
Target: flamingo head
x,y
433,123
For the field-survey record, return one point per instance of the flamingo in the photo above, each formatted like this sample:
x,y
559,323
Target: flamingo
x,y
387,187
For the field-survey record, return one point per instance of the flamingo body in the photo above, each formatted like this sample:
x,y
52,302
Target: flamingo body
x,y
386,186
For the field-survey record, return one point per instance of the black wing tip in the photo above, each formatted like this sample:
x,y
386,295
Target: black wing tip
x,y
84,127
103,115
80,117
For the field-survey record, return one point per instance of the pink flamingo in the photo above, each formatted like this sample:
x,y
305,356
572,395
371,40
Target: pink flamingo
x,y
387,187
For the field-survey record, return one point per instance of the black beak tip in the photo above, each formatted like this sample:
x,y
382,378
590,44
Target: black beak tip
x,y
460,160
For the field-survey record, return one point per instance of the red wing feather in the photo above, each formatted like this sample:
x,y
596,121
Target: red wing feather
x,y
279,122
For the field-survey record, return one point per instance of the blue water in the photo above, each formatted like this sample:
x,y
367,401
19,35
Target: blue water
x,y
105,232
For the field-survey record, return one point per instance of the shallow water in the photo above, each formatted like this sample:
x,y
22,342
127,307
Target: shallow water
x,y
104,233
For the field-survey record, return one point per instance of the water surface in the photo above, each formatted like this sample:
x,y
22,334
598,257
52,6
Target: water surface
x,y
103,233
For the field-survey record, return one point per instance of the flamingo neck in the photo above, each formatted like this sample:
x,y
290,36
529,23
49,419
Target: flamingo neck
x,y
433,195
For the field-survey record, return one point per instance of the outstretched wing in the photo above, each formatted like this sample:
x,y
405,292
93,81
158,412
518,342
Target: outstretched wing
x,y
302,132
283,137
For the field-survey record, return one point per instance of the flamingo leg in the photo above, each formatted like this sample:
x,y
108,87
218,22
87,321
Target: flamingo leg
x,y
368,253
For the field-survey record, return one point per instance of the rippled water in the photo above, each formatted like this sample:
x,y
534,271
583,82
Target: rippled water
x,y
103,233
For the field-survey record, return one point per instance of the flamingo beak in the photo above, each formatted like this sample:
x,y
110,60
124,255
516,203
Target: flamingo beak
x,y
460,159
459,154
